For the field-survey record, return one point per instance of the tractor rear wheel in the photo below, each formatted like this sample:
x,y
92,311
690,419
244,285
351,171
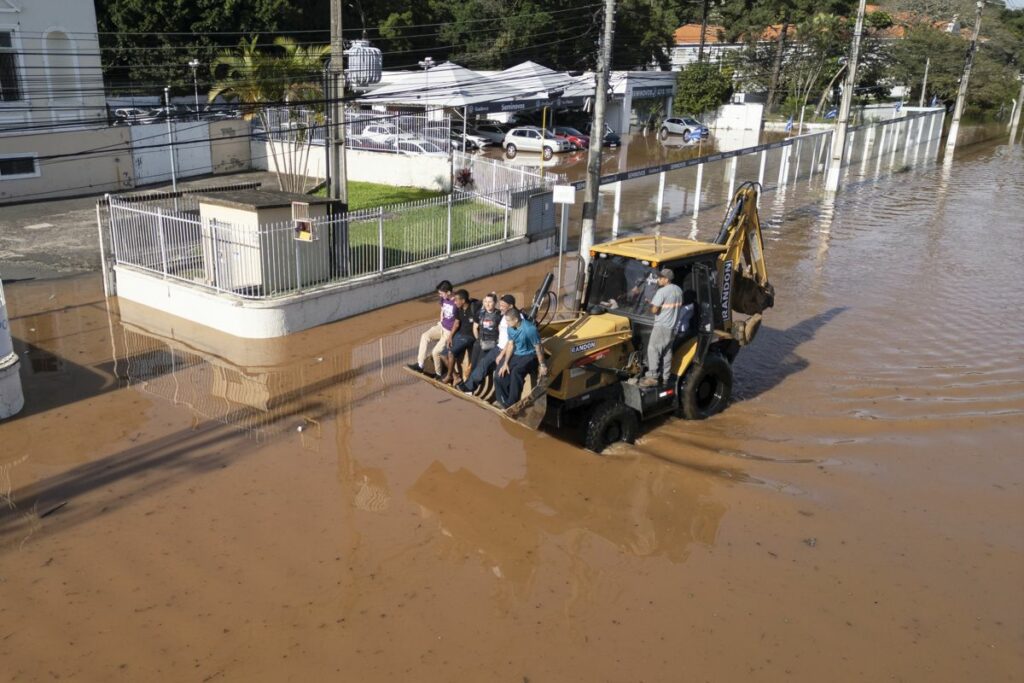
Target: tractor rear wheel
x,y
706,389
608,423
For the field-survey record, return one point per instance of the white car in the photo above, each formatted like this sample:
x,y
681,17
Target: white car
x,y
410,145
380,132
493,133
533,139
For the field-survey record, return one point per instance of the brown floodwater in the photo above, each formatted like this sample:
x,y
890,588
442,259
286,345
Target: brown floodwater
x,y
180,505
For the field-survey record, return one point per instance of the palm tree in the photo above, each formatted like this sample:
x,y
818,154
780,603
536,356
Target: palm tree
x,y
260,82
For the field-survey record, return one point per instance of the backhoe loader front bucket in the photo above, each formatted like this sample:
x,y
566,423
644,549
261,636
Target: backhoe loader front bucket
x,y
528,411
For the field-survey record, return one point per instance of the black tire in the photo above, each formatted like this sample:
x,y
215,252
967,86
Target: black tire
x,y
705,389
609,422
686,135
510,151
663,134
547,153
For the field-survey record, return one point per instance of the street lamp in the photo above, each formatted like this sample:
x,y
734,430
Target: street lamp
x,y
194,63
427,63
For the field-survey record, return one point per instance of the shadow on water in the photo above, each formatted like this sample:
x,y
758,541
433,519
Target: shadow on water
x,y
774,356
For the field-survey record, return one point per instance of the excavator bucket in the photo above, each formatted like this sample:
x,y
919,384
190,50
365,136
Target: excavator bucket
x,y
528,411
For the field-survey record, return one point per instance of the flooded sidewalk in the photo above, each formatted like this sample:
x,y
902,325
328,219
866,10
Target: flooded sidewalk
x,y
180,505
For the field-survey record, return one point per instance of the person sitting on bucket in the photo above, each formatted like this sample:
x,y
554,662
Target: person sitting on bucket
x,y
440,333
461,338
665,305
522,356
490,358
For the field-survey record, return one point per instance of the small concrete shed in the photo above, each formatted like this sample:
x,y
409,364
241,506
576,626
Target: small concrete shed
x,y
250,242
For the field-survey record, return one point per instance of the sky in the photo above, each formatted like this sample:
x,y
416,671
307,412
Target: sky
x,y
1015,4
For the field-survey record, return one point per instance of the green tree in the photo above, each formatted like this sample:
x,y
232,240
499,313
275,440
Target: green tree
x,y
257,79
701,87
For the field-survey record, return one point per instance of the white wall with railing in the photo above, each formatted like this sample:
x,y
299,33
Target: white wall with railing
x,y
170,240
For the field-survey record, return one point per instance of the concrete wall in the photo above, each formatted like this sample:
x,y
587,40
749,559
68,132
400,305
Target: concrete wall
x,y
131,156
109,171
428,172
279,317
230,151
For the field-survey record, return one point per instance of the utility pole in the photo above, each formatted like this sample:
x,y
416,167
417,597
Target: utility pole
x,y
591,191
924,82
839,134
170,137
961,96
703,31
339,176
1015,120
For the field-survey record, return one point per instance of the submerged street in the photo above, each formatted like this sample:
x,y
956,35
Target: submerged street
x,y
179,504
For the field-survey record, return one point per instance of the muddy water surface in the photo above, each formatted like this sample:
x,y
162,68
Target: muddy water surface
x,y
179,505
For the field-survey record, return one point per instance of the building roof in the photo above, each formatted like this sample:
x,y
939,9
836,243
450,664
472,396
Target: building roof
x,y
670,248
688,34
259,199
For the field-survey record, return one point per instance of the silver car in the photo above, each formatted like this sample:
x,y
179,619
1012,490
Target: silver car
x,y
533,139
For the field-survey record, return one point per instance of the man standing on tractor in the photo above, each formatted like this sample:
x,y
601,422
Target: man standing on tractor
x,y
665,306
526,355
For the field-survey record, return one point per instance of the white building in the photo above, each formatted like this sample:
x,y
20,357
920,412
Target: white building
x,y
51,92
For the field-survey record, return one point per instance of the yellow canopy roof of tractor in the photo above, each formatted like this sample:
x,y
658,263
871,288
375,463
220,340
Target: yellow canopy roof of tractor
x,y
643,247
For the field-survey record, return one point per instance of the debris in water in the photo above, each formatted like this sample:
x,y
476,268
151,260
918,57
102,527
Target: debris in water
x,y
56,507
811,542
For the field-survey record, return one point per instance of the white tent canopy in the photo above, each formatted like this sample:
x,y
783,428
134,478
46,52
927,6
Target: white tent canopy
x,y
445,85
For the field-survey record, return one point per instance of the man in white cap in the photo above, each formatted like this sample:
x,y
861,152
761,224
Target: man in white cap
x,y
665,306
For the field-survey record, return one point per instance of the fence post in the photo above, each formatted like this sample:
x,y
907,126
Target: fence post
x,y
380,238
163,244
732,177
449,238
298,265
214,253
696,195
661,196
760,172
615,212
508,209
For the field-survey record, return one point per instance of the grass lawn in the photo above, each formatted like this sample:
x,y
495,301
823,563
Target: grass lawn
x,y
422,233
368,195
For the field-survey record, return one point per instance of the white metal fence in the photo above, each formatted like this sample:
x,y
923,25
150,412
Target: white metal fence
x,y
486,176
396,132
267,260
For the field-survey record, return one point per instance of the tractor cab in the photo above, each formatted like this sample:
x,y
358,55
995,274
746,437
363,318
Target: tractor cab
x,y
624,278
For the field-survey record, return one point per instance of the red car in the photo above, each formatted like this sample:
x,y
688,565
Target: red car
x,y
573,136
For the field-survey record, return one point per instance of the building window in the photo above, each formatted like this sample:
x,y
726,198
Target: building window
x,y
10,90
18,167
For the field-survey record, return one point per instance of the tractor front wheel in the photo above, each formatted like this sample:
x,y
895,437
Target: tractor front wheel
x,y
608,423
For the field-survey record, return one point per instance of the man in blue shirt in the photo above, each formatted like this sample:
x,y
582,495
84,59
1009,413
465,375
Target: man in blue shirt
x,y
520,357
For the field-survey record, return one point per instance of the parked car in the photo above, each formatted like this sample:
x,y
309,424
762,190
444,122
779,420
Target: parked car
x,y
687,126
611,138
408,145
491,131
379,132
576,138
533,139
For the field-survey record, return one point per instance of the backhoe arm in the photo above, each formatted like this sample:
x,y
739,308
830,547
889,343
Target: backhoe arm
x,y
742,271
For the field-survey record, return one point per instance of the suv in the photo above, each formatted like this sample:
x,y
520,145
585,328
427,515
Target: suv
x,y
493,132
533,139
687,126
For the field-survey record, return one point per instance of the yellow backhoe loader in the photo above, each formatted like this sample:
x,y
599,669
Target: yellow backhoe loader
x,y
595,357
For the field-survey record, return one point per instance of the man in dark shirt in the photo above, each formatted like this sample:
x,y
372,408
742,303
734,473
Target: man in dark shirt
x,y
461,336
485,363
